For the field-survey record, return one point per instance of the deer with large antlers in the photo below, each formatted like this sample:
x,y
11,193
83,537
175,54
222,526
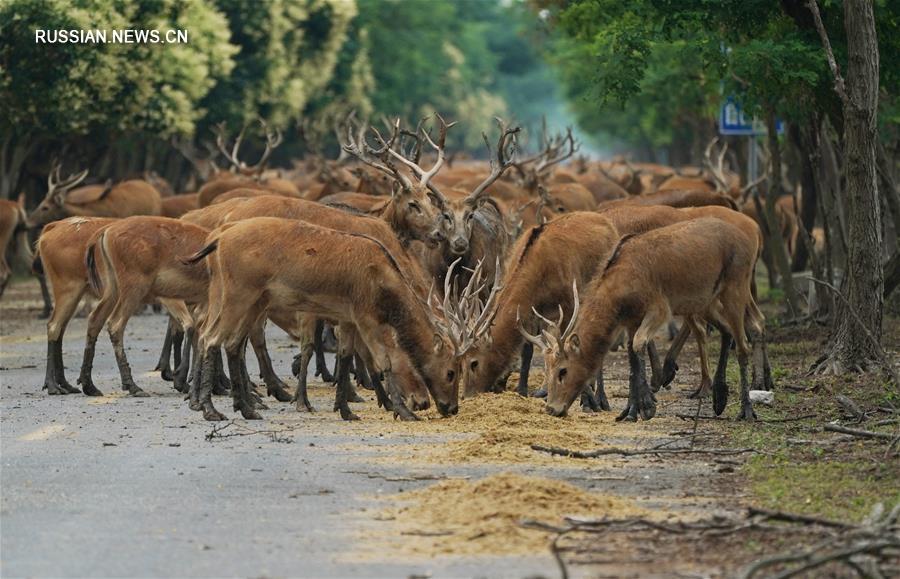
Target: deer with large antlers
x,y
349,277
700,269
538,274
63,199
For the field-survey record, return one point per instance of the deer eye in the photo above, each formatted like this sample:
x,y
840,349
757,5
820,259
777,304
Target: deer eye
x,y
474,364
562,374
414,206
447,218
450,375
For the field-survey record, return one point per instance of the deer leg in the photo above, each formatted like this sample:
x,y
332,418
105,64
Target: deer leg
x,y
399,406
164,366
524,369
45,295
193,395
180,378
640,396
240,384
319,347
301,396
762,371
670,365
352,394
55,378
720,381
221,383
363,377
384,401
274,385
655,366
250,386
96,320
602,400
207,379
343,388
588,402
116,336
699,331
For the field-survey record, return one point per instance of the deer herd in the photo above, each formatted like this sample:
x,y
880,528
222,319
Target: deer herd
x,y
438,277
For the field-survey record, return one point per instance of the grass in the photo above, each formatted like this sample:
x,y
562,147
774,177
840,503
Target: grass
x,y
802,468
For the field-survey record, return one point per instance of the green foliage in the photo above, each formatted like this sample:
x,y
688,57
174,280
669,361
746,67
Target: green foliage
x,y
73,89
645,71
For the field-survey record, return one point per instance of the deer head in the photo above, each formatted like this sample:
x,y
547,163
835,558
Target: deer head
x,y
416,204
52,208
532,170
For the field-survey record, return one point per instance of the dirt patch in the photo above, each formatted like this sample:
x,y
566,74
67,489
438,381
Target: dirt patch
x,y
460,517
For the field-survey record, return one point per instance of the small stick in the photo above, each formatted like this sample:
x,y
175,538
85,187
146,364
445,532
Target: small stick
x,y
794,518
625,452
858,432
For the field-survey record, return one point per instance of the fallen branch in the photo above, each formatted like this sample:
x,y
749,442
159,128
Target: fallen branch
x,y
244,430
851,407
626,452
858,432
793,518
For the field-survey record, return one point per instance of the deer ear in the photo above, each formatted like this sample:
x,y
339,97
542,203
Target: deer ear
x,y
573,344
438,343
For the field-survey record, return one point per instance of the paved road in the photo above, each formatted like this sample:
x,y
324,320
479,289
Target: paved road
x,y
119,486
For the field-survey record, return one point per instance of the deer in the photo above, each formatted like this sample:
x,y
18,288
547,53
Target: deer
x,y
538,274
133,197
699,268
130,262
636,220
339,275
177,205
411,212
243,175
472,222
672,198
13,238
60,253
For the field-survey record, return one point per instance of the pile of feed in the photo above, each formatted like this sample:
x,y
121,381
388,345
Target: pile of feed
x,y
498,428
459,517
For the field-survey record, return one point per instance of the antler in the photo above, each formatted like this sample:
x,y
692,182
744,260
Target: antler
x,y
555,151
423,175
507,146
273,139
718,171
551,335
378,159
56,184
464,318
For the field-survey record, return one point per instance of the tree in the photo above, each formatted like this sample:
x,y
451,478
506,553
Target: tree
x,y
849,346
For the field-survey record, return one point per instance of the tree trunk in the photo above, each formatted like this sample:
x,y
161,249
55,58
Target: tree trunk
x,y
849,348
808,202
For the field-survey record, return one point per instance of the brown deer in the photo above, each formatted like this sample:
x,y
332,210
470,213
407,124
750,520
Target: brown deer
x,y
349,277
60,257
133,261
538,274
672,198
13,238
123,199
699,268
636,220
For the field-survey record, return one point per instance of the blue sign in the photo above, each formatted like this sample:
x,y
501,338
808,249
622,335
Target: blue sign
x,y
733,121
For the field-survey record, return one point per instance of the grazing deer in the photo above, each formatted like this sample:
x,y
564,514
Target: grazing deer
x,y
538,275
699,268
672,198
635,220
133,261
13,238
344,276
123,199
60,257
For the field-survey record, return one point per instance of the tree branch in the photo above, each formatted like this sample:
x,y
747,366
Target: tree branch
x,y
839,86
